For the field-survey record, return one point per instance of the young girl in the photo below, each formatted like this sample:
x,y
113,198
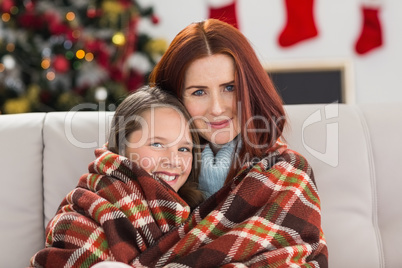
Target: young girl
x,y
153,129
134,191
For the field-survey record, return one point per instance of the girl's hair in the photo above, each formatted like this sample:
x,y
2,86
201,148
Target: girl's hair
x,y
127,119
258,103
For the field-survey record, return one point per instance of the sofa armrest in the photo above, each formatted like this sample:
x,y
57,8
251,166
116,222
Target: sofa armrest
x,y
21,198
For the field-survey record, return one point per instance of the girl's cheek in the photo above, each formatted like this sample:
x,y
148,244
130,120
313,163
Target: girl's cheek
x,y
147,163
188,163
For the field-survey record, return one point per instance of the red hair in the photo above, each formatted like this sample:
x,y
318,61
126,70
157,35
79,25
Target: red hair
x,y
255,92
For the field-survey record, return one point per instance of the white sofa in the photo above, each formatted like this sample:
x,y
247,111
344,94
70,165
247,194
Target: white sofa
x,y
353,150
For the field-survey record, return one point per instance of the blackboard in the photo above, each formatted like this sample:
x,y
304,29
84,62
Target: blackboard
x,y
307,87
313,81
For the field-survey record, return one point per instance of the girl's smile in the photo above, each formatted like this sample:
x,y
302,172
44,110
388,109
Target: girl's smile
x,y
165,176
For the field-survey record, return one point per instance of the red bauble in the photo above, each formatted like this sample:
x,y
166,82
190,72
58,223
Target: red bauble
x,y
100,50
155,19
30,21
45,97
116,74
57,26
92,12
51,18
134,81
126,3
29,5
61,64
6,5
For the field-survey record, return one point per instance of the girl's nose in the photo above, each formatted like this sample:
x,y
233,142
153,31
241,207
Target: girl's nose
x,y
172,158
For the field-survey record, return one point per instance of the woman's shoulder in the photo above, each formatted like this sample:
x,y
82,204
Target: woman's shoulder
x,y
287,158
280,166
294,158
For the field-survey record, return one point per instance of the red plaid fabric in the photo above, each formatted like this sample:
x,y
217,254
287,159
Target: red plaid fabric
x,y
269,216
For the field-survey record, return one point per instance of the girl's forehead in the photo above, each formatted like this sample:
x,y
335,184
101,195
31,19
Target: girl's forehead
x,y
162,111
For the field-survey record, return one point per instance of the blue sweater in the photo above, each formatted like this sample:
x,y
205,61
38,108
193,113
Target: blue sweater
x,y
214,169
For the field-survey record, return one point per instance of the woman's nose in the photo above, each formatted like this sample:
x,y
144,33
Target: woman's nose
x,y
217,105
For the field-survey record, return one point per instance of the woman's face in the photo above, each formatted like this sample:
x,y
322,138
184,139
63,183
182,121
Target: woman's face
x,y
163,146
209,96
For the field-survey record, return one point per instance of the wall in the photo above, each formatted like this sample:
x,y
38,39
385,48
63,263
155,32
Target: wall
x,y
375,76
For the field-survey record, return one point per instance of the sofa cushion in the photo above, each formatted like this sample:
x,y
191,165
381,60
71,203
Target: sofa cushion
x,y
21,195
336,143
384,122
69,142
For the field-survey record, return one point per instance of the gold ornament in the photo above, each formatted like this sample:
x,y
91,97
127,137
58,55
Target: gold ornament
x,y
156,46
119,39
67,100
33,93
111,11
16,106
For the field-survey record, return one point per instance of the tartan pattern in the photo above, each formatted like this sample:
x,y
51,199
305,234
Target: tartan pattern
x,y
269,216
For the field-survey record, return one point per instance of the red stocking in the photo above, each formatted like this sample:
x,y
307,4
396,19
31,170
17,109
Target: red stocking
x,y
300,23
371,34
224,10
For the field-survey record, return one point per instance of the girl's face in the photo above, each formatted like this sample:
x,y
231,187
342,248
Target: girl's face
x,y
209,96
163,146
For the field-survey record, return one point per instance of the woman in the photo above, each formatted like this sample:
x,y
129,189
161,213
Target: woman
x,y
214,70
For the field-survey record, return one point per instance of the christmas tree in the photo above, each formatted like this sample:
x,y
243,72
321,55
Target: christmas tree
x,y
57,54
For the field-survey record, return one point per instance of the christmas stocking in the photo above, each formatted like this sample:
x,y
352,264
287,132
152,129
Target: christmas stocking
x,y
300,23
371,34
224,10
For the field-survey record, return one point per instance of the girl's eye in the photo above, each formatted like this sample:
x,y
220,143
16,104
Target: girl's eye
x,y
156,144
198,92
184,149
229,88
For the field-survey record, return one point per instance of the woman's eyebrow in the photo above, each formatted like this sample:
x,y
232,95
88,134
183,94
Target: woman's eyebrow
x,y
194,86
197,86
227,83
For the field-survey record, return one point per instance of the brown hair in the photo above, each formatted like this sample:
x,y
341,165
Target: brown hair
x,y
255,92
127,119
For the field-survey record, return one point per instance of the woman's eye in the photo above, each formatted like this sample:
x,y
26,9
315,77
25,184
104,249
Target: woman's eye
x,y
229,88
156,144
199,92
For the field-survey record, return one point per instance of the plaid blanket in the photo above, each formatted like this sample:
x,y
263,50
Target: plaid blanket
x,y
269,216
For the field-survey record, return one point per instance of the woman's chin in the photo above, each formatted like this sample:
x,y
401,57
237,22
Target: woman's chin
x,y
220,139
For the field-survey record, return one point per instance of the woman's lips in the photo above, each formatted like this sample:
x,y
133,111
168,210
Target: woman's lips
x,y
219,124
